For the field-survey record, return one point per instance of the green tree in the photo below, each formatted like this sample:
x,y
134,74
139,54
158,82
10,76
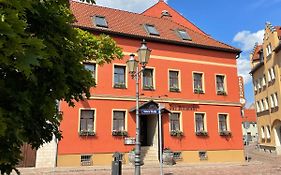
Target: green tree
x,y
40,63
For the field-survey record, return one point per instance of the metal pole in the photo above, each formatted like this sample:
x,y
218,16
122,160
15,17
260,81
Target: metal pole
x,y
160,139
138,144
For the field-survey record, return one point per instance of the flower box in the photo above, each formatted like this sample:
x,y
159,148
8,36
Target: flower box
x,y
120,85
119,133
202,133
221,93
176,133
198,91
87,133
225,133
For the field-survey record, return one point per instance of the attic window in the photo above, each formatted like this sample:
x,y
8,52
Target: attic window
x,y
183,34
151,30
100,21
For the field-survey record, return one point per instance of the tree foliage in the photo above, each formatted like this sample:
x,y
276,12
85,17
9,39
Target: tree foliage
x,y
40,63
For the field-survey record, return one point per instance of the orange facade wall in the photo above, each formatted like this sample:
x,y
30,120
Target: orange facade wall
x,y
250,115
104,142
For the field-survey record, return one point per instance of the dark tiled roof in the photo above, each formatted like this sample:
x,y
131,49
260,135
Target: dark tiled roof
x,y
132,24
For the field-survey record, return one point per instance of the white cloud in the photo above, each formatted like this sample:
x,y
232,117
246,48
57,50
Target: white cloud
x,y
247,40
137,6
244,68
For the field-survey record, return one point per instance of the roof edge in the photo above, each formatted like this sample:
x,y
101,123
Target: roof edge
x,y
234,50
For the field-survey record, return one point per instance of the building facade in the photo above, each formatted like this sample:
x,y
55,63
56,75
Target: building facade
x,y
190,75
249,125
265,62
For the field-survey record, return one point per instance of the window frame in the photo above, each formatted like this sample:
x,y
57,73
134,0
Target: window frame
x,y
125,119
203,81
179,80
227,122
125,76
96,69
94,18
204,122
94,120
153,33
225,84
153,79
180,120
187,38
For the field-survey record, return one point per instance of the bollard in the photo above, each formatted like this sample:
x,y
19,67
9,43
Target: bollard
x,y
116,168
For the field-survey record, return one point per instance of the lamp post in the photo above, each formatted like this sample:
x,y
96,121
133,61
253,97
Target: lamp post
x,y
133,67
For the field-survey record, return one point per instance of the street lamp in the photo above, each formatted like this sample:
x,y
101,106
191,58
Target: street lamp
x,y
133,67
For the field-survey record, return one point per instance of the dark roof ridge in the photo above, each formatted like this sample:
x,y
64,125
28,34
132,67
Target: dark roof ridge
x,y
177,13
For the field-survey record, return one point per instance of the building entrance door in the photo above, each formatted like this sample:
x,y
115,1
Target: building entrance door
x,y
148,127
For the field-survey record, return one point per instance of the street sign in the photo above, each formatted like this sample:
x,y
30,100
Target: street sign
x,y
148,111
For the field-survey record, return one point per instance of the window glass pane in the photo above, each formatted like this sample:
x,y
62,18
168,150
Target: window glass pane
x,y
174,80
148,78
100,21
174,121
199,119
91,67
118,120
87,120
197,81
119,75
151,30
184,35
222,122
220,82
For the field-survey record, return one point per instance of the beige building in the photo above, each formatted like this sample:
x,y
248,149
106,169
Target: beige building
x,y
265,64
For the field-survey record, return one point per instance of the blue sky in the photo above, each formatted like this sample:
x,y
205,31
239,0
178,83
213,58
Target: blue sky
x,y
239,23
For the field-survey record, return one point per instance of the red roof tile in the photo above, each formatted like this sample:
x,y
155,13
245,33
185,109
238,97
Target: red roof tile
x,y
256,53
132,24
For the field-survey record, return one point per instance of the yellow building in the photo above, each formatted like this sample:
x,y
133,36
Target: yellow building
x,y
265,64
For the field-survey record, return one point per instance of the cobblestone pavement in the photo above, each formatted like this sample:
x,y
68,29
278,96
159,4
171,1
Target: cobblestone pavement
x,y
260,164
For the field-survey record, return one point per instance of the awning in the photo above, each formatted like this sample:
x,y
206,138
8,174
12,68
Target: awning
x,y
150,108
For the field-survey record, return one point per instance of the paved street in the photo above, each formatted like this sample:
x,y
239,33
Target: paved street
x,y
260,164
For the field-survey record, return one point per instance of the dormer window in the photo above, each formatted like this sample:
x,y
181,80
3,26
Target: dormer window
x,y
151,30
183,35
100,21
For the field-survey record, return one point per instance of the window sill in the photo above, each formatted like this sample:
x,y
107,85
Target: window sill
x,y
200,91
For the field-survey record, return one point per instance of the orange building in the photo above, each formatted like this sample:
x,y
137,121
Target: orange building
x,y
190,74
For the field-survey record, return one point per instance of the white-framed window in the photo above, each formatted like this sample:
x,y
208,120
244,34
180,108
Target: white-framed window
x,y
268,49
148,79
175,121
119,118
198,82
119,76
259,83
267,132
223,123
174,83
92,67
221,84
87,122
86,160
200,122
255,85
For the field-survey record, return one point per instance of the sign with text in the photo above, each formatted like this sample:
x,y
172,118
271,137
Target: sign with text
x,y
183,107
148,111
